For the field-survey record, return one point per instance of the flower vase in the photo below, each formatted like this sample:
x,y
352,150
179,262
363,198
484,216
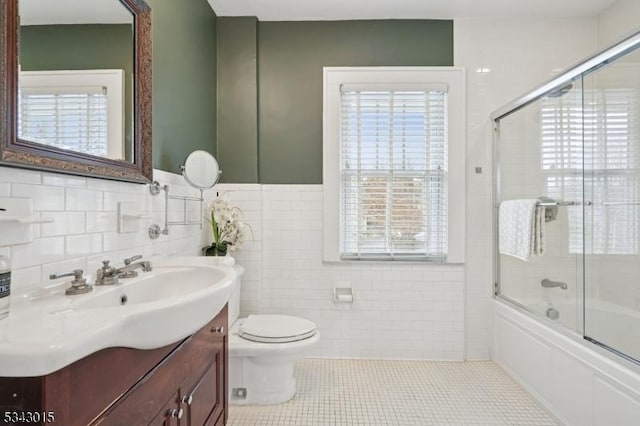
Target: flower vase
x,y
215,249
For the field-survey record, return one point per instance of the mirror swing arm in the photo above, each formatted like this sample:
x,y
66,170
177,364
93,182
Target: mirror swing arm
x,y
155,188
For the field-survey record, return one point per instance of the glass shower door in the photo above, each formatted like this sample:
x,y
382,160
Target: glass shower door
x,y
539,149
612,222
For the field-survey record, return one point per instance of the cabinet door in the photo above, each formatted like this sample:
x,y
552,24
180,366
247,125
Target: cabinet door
x,y
206,400
206,397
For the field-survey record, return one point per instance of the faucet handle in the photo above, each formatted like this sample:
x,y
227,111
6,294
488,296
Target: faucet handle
x,y
132,259
106,268
76,274
78,284
106,274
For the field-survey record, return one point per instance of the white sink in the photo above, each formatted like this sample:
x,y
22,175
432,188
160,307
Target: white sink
x,y
47,330
164,283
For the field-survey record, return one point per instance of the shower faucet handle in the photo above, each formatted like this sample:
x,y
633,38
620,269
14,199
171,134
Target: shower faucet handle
x,y
547,283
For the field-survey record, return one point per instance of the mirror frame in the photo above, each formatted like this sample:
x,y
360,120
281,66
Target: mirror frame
x,y
18,152
185,175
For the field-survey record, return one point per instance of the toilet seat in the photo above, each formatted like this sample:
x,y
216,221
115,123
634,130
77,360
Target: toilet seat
x,y
276,329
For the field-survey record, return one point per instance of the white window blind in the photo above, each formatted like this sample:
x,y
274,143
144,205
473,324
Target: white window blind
x,y
561,133
79,110
393,172
604,140
73,118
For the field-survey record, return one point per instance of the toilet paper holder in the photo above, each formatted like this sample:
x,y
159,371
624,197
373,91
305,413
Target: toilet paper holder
x,y
343,295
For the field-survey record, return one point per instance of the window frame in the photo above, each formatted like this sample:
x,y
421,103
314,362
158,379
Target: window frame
x,y
454,78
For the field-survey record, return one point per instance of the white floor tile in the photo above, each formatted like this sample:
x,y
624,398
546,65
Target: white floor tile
x,y
364,392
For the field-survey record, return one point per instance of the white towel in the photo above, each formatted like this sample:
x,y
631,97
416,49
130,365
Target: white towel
x,y
521,231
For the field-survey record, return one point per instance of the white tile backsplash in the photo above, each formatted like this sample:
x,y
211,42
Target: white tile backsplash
x,y
5,189
11,175
83,200
84,227
102,221
64,223
27,277
83,245
63,180
38,252
44,197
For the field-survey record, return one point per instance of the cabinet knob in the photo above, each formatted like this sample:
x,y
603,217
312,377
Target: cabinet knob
x,y
218,329
175,413
187,399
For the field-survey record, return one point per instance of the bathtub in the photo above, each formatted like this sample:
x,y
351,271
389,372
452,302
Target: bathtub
x,y
579,382
612,325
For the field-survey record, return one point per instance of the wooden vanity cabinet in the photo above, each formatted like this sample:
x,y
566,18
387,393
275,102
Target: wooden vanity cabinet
x,y
183,384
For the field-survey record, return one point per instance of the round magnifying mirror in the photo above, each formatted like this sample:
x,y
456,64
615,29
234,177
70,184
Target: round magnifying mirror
x,y
201,170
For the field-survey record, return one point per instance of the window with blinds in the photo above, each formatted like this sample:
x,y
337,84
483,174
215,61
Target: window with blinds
x,y
77,110
393,173
73,118
599,133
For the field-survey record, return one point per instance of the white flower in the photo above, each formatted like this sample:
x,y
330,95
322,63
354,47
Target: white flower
x,y
226,223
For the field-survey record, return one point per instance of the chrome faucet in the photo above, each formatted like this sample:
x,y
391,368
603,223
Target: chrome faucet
x,y
78,285
108,275
547,283
130,267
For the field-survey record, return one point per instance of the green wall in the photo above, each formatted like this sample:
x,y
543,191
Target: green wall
x,y
291,56
82,47
237,99
255,87
184,80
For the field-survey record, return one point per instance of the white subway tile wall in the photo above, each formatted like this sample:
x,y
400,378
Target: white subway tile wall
x,y
491,49
400,310
84,227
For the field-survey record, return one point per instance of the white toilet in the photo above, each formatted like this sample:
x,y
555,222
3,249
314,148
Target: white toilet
x,y
262,352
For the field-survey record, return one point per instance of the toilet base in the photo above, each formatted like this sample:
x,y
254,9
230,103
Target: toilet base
x,y
262,383
262,373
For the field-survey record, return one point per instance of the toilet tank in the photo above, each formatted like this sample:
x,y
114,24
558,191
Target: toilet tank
x,y
234,300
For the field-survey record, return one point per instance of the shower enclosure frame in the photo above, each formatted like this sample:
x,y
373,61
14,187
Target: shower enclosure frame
x,y
575,72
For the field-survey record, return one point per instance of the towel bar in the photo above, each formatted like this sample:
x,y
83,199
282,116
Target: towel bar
x,y
554,203
551,206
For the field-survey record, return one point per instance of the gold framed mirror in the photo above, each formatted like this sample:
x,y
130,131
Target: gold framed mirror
x,y
75,87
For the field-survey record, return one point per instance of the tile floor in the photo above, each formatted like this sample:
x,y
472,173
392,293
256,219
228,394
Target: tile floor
x,y
363,392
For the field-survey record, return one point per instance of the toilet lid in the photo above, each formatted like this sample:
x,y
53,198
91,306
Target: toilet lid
x,y
276,328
